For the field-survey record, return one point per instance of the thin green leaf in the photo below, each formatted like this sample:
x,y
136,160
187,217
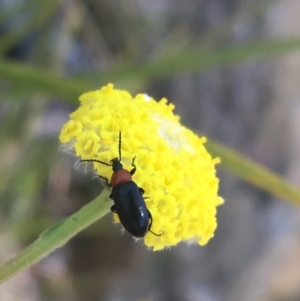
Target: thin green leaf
x,y
191,60
197,59
35,79
254,173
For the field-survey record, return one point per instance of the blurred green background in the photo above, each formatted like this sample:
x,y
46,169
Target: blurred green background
x,y
231,67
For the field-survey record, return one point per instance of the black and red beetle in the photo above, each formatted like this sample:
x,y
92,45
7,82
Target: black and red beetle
x,y
128,198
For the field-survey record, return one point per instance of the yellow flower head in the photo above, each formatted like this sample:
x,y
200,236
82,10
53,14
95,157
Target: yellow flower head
x,y
173,166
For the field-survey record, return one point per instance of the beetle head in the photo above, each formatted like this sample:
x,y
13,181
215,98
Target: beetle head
x,y
116,164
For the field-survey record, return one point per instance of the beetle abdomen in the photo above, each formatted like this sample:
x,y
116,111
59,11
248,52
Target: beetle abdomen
x,y
131,208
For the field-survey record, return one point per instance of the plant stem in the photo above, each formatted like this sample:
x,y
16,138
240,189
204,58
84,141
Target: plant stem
x,y
56,236
254,173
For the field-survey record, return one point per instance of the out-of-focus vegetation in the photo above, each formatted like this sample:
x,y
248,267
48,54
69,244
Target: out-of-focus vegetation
x,y
203,55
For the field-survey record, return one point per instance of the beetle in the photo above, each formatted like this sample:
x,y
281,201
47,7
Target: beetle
x,y
129,202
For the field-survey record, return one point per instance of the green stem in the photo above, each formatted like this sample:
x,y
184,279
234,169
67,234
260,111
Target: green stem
x,y
254,173
188,60
37,79
56,236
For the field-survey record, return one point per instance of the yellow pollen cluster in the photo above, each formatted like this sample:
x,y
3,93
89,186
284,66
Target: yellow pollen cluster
x,y
173,166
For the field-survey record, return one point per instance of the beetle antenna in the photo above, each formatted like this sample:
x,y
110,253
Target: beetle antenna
x,y
120,146
97,161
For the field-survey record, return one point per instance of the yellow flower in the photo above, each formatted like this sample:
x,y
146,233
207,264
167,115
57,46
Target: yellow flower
x,y
173,166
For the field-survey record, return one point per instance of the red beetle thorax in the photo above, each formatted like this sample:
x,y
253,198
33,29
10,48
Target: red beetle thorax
x,y
120,176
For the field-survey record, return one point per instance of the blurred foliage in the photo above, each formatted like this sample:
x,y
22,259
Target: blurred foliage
x,y
52,51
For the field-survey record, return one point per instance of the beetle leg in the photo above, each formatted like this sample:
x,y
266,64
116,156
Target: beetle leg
x,y
150,218
105,181
134,167
142,191
150,224
113,209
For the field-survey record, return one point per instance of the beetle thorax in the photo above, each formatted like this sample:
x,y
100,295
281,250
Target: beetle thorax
x,y
120,176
